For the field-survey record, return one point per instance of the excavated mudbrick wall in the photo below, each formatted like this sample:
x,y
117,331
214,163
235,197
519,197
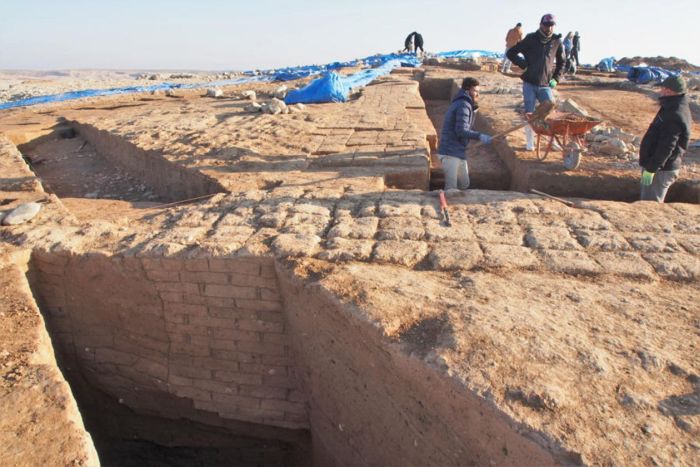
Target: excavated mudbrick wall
x,y
171,181
175,337
353,374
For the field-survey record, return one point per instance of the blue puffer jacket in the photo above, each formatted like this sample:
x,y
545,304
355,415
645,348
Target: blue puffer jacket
x,y
456,130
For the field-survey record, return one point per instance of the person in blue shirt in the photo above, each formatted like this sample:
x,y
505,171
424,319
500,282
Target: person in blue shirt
x,y
456,133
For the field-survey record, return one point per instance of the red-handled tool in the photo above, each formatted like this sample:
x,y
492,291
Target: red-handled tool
x,y
443,207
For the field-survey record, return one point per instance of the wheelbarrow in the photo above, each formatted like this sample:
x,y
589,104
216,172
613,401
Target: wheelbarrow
x,y
569,131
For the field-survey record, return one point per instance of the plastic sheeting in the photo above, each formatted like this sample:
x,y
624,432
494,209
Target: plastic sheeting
x,y
648,74
329,88
607,64
379,65
469,54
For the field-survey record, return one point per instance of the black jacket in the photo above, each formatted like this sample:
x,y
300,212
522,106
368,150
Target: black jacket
x,y
418,40
544,58
666,140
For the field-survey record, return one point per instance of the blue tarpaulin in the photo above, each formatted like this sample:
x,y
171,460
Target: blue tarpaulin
x,y
329,88
378,65
469,54
607,64
647,74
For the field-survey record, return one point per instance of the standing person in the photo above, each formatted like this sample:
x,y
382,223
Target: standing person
x,y
541,55
568,44
576,49
408,43
456,133
513,36
418,43
663,145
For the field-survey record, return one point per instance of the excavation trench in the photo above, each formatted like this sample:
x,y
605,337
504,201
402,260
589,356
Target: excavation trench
x,y
215,360
500,168
94,172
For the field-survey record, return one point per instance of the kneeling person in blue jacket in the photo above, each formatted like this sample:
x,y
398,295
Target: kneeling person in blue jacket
x,y
456,133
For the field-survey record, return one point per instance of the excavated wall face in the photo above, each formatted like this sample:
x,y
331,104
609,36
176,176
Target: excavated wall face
x,y
199,339
171,181
417,416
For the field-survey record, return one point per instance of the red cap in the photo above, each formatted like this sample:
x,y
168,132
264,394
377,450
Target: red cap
x,y
548,19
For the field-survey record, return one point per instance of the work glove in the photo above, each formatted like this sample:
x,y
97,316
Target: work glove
x,y
553,83
647,178
484,138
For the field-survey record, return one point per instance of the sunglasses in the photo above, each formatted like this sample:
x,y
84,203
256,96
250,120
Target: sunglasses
x,y
548,23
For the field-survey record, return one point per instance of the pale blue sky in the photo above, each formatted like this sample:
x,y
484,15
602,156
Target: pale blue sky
x,y
236,35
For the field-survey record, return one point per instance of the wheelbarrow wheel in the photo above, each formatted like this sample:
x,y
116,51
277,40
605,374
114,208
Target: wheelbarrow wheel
x,y
572,157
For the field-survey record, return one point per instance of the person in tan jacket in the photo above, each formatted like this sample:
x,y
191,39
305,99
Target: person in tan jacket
x,y
514,36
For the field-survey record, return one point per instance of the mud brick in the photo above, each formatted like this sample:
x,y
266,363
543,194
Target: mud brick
x,y
183,287
263,392
152,368
131,264
162,276
296,396
267,270
235,355
270,294
143,346
208,406
101,339
231,313
276,360
230,291
183,348
236,401
216,364
53,278
235,266
271,316
222,344
197,265
190,371
179,380
279,381
204,277
220,302
172,264
151,263
172,297
275,338
264,414
114,356
285,406
260,326
263,369
190,310
258,305
235,335
262,348
190,329
297,418
192,393
216,386
50,258
237,377
213,322
155,310
194,299
245,280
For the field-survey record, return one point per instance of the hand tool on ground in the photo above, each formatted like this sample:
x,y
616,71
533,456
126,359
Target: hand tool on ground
x,y
443,208
540,113
542,193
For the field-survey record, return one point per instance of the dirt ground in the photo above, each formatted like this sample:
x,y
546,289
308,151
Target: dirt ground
x,y
579,324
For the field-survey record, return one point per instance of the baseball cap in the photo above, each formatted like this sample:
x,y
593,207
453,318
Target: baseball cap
x,y
675,84
548,19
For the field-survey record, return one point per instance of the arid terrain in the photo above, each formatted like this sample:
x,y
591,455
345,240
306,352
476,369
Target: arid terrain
x,y
284,288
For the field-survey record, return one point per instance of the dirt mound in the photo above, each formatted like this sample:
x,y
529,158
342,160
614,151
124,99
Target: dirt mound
x,y
670,63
